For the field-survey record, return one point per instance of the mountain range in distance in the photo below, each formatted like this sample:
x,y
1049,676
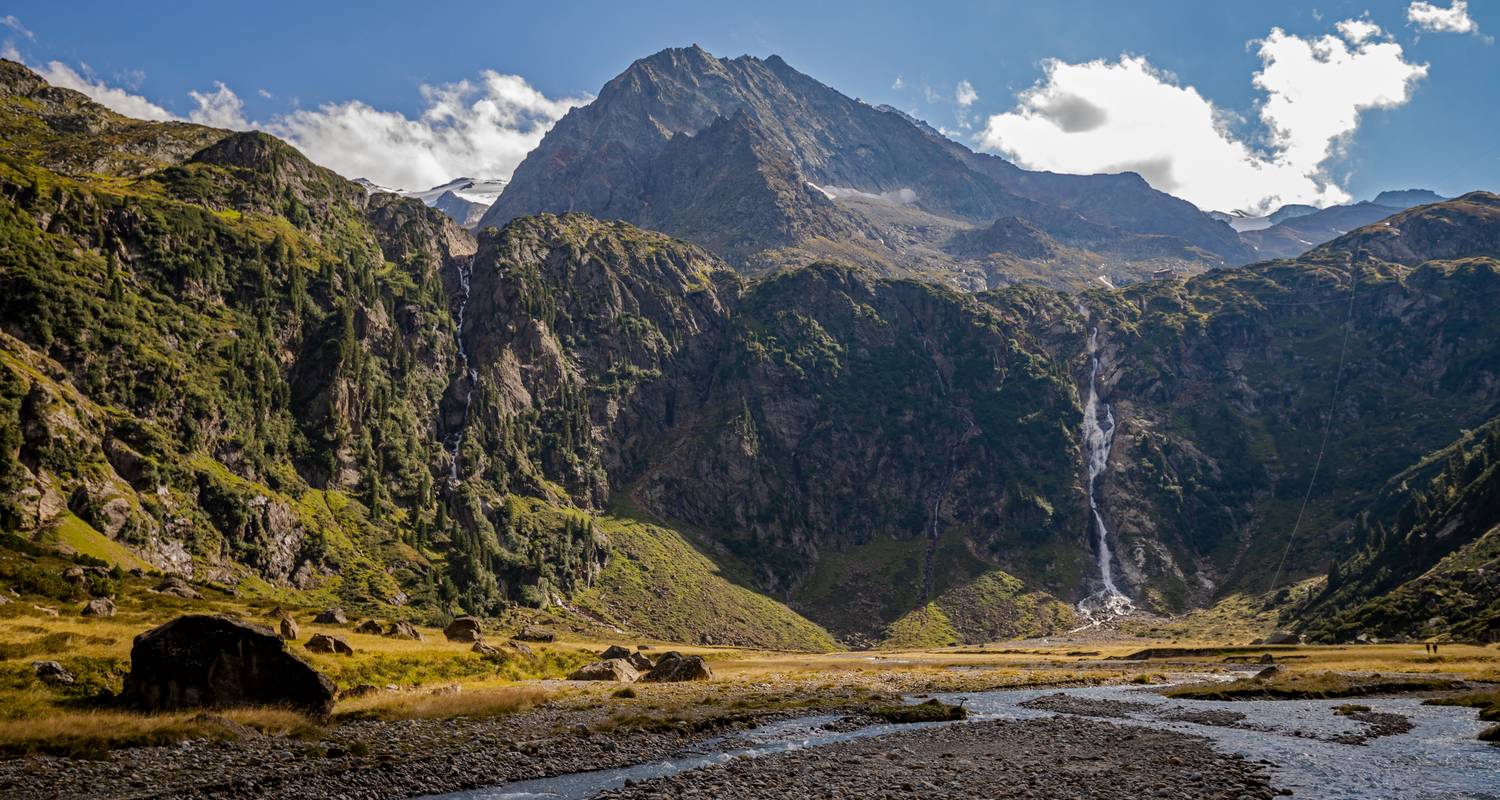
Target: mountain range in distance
x,y
464,200
1293,229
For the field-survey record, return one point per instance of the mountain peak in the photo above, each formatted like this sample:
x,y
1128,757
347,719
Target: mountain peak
x,y
1406,198
1464,227
607,158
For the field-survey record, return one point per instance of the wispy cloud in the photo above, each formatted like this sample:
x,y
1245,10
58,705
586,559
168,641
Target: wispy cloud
x,y
113,97
10,21
1126,115
964,95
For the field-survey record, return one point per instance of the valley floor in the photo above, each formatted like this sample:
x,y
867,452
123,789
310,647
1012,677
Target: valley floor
x,y
430,716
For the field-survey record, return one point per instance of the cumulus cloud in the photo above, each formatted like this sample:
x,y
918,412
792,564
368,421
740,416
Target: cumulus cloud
x,y
1432,17
898,84
221,108
479,129
1358,30
1126,115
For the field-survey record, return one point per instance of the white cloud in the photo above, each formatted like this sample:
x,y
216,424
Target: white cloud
x,y
1128,116
10,21
1358,30
112,97
965,95
221,108
931,96
898,84
264,93
1431,17
481,129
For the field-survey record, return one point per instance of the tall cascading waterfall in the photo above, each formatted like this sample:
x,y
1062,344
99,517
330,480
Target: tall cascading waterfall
x,y
1098,437
456,439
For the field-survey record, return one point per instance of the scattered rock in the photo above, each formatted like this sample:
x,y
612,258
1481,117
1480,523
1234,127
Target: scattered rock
x,y
201,660
403,630
452,688
520,648
369,626
358,691
636,659
99,607
614,669
73,575
1267,658
674,667
176,586
323,643
1282,637
1268,673
533,633
464,629
488,651
45,611
289,629
53,673
331,616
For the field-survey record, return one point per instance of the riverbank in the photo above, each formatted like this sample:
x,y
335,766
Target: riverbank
x,y
1056,759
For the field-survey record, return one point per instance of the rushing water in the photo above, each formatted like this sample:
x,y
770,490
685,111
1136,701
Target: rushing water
x,y
1439,759
466,373
1098,438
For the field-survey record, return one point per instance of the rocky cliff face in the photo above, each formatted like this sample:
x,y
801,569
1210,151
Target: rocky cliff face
x,y
238,365
768,167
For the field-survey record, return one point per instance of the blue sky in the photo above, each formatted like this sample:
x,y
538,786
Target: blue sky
x,y
1433,128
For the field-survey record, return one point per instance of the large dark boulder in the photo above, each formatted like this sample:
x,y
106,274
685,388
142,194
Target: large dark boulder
x,y
331,616
464,629
324,643
673,667
201,660
614,669
403,630
636,659
535,633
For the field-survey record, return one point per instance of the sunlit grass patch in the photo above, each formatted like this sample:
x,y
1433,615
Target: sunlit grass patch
x,y
493,702
1311,686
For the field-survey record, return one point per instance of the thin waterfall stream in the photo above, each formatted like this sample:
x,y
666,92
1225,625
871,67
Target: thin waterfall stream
x,y
455,440
1098,438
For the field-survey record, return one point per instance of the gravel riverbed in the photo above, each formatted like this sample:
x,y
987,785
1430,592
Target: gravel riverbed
x,y
1059,758
363,759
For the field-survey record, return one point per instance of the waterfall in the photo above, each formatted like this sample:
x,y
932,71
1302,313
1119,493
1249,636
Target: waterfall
x,y
1098,437
467,374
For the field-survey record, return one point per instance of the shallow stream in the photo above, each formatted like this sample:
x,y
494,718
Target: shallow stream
x,y
1439,759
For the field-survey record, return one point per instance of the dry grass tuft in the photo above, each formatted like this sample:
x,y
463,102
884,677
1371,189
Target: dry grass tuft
x,y
92,734
495,702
